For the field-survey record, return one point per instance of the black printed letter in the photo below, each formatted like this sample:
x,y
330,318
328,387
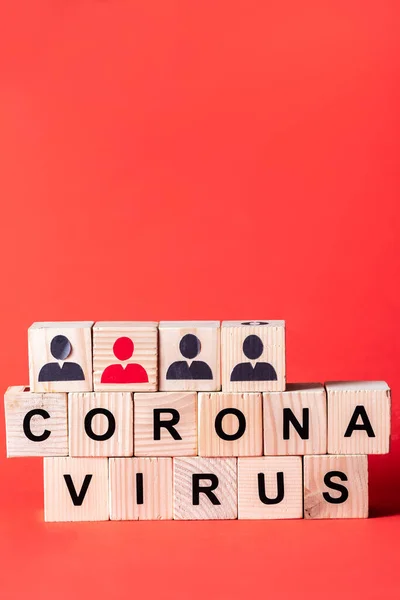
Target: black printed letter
x,y
111,424
241,427
302,430
27,425
139,488
280,485
360,411
336,486
208,491
169,425
77,499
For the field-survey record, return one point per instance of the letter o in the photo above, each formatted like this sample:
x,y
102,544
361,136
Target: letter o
x,y
111,424
230,437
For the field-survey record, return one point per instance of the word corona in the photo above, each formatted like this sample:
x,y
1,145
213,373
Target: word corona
x,y
190,420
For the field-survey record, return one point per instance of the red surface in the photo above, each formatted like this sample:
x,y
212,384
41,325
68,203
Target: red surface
x,y
177,160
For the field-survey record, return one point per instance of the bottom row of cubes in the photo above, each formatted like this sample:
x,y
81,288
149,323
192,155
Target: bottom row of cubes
x,y
287,487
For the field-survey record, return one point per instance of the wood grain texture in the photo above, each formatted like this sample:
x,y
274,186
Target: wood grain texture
x,y
296,398
40,336
210,443
226,492
120,405
145,339
18,401
233,334
145,404
250,505
157,489
171,333
355,469
343,397
58,504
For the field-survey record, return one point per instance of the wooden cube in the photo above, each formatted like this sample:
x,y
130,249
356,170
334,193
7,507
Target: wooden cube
x,y
60,357
358,417
295,420
76,489
100,424
230,424
125,356
165,424
190,355
36,424
253,356
205,488
140,488
270,487
336,487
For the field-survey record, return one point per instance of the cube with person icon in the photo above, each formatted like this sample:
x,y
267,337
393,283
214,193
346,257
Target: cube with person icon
x,y
190,356
125,356
60,356
253,356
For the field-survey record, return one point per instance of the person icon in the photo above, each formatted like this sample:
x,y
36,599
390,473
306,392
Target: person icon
x,y
132,373
189,347
60,348
261,371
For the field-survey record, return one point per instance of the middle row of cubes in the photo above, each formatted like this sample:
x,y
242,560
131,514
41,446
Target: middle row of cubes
x,y
217,424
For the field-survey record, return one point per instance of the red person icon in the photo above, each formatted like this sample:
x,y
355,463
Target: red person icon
x,y
132,373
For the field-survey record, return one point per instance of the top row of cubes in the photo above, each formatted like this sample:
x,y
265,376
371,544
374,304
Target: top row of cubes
x,y
248,356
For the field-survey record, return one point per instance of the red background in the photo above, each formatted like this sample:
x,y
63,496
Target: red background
x,y
197,160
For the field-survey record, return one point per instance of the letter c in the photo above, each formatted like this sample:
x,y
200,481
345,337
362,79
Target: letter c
x,y
27,425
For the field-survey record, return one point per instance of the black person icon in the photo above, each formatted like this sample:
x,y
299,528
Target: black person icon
x,y
60,348
189,347
262,371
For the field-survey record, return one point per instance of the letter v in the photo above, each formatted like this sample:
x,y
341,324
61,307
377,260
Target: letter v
x,y
77,499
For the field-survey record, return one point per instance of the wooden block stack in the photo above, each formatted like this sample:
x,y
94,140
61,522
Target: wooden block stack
x,y
137,426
